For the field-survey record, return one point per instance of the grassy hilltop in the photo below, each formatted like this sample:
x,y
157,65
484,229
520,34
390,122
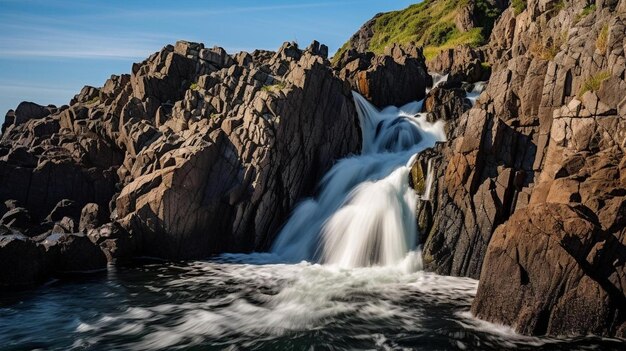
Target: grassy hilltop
x,y
431,24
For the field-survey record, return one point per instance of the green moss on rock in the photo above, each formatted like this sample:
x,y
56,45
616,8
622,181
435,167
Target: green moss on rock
x,y
417,180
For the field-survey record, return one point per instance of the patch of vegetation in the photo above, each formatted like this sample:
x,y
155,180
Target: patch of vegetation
x,y
431,24
547,50
557,6
93,101
593,83
519,6
603,39
274,87
585,12
194,86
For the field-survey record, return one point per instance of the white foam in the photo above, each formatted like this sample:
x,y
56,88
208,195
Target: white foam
x,y
364,214
296,297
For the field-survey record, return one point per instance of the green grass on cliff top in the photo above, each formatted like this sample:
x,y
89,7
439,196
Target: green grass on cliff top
x,y
430,24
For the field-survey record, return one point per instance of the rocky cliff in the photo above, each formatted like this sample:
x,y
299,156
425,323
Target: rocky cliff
x,y
195,152
531,186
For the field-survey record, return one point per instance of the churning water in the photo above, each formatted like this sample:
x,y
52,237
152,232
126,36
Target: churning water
x,y
226,304
365,212
344,273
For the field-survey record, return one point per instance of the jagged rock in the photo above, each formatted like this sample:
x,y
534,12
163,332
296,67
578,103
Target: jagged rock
x,y
18,217
461,63
21,262
64,208
360,41
395,78
164,76
87,95
318,49
65,225
72,253
20,156
242,168
118,245
24,112
552,270
446,103
91,216
465,17
544,138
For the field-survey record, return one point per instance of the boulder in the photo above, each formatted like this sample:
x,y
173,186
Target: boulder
x,y
118,245
552,270
21,262
461,63
68,253
91,216
24,112
18,218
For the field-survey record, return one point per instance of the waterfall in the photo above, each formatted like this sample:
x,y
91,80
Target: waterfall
x,y
364,214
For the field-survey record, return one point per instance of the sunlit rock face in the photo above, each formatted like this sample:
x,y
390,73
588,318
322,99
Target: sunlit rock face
x,y
195,152
533,176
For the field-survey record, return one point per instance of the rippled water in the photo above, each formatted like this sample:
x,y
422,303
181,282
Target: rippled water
x,y
224,304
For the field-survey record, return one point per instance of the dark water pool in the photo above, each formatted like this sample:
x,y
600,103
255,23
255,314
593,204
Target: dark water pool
x,y
237,306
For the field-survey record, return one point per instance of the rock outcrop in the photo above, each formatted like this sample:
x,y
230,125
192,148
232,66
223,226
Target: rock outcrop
x,y
397,77
196,152
461,63
530,188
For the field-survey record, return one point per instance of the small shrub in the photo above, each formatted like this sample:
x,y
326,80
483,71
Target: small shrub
x,y
93,101
548,50
593,83
603,39
558,6
440,34
519,6
585,12
274,87
194,86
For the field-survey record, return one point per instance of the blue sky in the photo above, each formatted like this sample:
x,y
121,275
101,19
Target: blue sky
x,y
50,49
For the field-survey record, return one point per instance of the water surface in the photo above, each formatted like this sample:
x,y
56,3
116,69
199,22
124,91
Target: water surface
x,y
224,304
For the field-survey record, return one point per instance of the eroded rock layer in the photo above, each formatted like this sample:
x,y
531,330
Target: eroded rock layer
x,y
196,152
531,186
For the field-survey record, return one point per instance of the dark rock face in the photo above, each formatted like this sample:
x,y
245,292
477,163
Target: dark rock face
x,y
72,253
447,102
551,270
530,186
21,261
395,78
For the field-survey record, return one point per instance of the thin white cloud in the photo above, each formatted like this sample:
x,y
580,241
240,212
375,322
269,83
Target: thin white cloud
x,y
197,11
47,41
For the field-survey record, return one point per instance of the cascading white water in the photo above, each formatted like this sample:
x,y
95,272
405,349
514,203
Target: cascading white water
x,y
365,212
